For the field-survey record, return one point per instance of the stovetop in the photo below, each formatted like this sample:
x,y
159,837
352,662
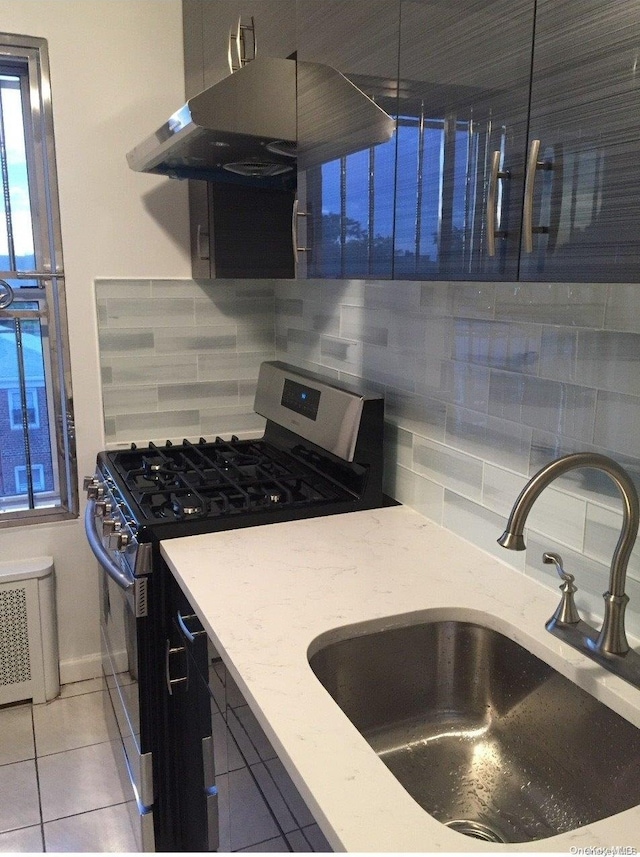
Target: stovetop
x,y
218,479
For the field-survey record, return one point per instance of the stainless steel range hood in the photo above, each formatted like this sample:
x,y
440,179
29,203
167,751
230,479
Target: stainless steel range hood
x,y
250,128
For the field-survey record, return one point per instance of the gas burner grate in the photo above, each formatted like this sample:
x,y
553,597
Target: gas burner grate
x,y
220,478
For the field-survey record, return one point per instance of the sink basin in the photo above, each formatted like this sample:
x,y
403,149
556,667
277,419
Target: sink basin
x,y
485,736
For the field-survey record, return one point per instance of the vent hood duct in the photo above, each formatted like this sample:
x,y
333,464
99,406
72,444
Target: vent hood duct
x,y
247,128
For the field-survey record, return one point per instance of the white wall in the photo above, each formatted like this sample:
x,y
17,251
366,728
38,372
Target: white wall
x,y
116,74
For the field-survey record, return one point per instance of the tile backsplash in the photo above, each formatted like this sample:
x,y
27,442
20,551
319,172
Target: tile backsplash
x,y
484,383
180,358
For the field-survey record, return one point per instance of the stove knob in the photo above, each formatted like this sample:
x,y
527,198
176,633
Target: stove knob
x,y
103,508
108,526
118,541
93,487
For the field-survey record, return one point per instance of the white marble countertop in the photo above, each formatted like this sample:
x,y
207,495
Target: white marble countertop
x,y
264,594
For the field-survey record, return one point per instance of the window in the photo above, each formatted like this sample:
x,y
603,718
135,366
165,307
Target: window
x,y
36,421
22,478
19,407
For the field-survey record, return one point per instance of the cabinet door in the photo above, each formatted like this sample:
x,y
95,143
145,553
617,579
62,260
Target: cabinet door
x,y
275,31
585,102
346,210
463,99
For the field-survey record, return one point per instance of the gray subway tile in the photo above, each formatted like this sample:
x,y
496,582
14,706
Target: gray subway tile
x,y
616,423
129,400
197,395
481,526
513,347
153,369
180,340
473,300
365,325
158,426
140,289
131,341
416,413
543,404
609,361
502,442
623,307
448,467
154,313
569,304
558,350
232,366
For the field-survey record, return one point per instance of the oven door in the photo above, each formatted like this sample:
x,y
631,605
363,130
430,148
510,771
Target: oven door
x,y
122,601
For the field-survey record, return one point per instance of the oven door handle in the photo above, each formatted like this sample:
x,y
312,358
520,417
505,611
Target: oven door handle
x,y
99,551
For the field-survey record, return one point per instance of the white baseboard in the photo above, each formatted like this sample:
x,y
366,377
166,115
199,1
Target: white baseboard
x,y
81,669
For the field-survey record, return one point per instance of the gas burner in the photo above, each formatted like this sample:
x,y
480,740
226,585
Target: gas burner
x,y
187,506
157,468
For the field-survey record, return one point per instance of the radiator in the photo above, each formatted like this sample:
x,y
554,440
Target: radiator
x,y
28,631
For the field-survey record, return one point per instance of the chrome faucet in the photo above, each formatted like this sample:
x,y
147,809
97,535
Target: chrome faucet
x,y
609,646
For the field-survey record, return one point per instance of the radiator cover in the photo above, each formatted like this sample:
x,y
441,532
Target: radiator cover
x,y
28,631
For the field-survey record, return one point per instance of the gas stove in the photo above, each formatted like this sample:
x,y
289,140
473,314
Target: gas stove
x,y
320,454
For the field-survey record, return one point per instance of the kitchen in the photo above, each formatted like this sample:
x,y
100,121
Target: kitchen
x,y
464,427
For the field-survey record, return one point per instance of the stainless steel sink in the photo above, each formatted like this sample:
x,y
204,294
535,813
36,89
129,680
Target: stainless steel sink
x,y
485,736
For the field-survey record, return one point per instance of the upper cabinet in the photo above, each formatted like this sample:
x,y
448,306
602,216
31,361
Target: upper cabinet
x,y
581,204
515,152
464,70
346,204
210,25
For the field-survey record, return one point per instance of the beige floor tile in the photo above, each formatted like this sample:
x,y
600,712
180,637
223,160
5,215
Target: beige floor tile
x,y
16,729
77,688
107,829
72,722
28,840
79,781
18,796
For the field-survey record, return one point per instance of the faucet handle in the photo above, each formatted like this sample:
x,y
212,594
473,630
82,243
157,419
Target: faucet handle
x,y
566,613
549,557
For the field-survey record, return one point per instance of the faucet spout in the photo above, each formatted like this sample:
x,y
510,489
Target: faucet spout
x,y
612,638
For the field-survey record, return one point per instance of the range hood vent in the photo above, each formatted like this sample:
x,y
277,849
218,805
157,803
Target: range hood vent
x,y
246,127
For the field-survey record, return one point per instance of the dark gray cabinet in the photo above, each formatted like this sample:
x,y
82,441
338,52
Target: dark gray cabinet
x,y
582,206
236,230
515,153
464,73
208,23
346,205
523,133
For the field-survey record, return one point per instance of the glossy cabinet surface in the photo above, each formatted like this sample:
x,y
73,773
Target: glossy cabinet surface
x,y
464,71
346,205
236,231
208,23
585,108
515,152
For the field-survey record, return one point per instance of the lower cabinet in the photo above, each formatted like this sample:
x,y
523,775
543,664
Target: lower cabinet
x,y
228,789
259,806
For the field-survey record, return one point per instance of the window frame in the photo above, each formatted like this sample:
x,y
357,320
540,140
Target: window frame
x,y
46,284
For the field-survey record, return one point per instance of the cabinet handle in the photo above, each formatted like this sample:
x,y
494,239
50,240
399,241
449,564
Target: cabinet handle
x,y
182,623
169,651
239,41
533,165
294,230
492,232
202,248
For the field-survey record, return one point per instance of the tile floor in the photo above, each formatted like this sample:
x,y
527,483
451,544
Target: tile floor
x,y
60,789
59,785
